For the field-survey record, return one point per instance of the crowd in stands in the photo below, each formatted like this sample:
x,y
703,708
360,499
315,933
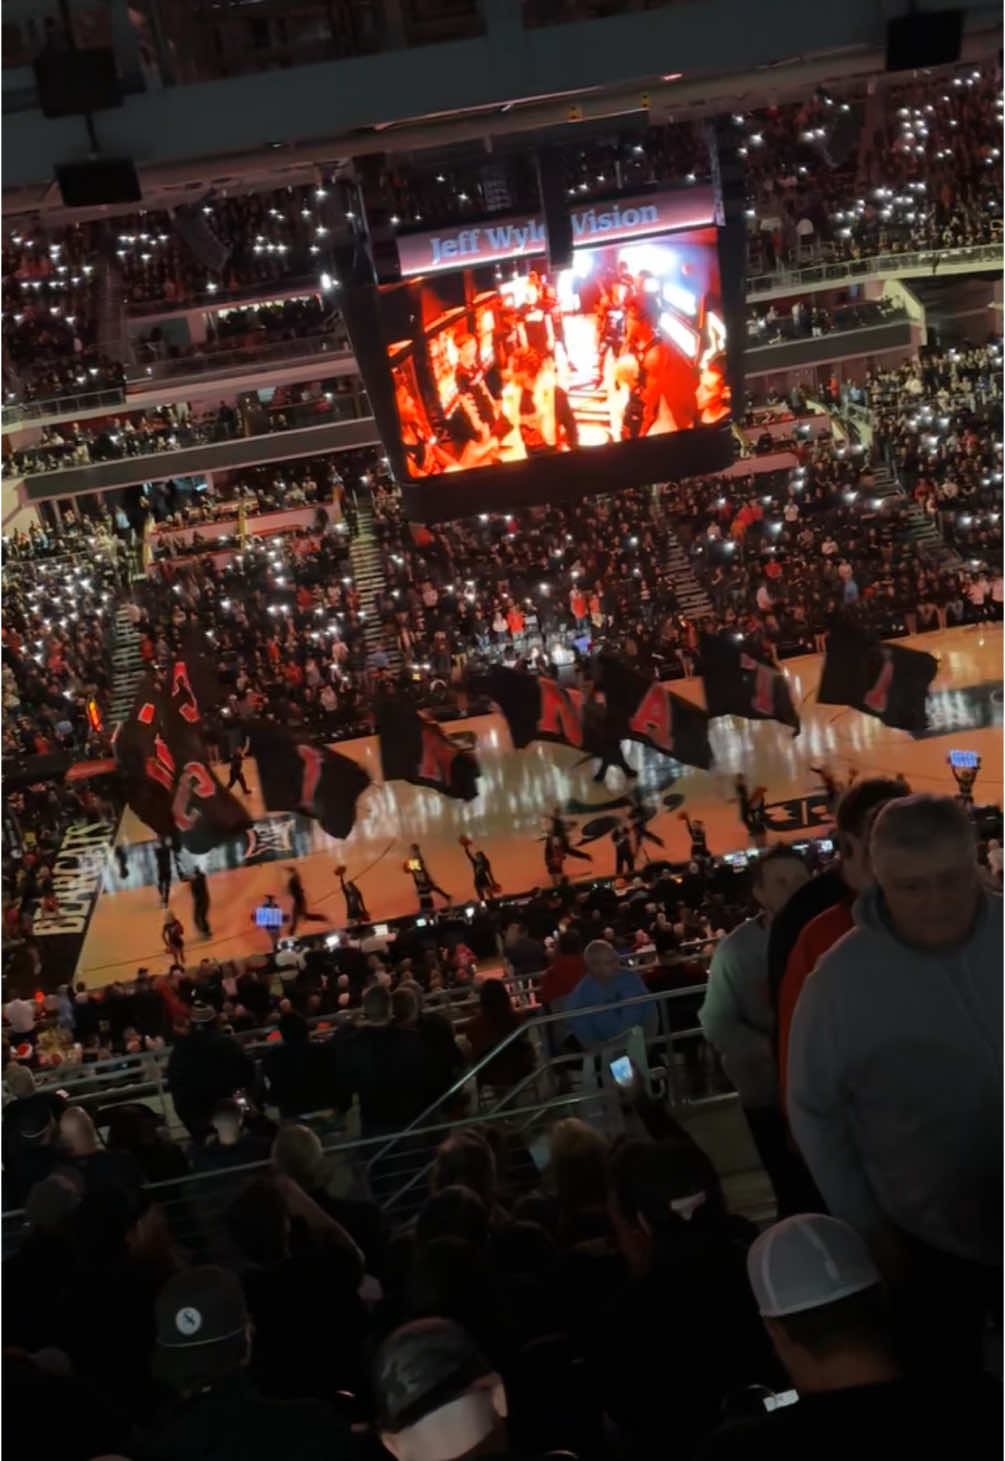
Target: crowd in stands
x,y
175,427
928,178
771,325
267,237
49,298
248,327
510,1305
285,622
57,637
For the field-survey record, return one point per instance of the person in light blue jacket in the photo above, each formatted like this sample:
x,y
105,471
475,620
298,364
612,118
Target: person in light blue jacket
x,y
609,983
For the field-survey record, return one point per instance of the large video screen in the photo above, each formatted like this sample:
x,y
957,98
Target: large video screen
x,y
617,364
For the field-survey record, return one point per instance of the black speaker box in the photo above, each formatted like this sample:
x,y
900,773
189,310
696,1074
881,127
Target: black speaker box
x,y
105,180
927,38
557,218
72,82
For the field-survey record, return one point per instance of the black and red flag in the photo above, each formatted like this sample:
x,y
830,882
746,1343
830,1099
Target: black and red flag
x,y
143,757
738,682
415,749
887,681
297,776
169,784
537,708
646,711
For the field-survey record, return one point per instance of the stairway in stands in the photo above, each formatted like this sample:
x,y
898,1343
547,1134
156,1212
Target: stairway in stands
x,y
920,530
368,577
692,599
111,311
127,665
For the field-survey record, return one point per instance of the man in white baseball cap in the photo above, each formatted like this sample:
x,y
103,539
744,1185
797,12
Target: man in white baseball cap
x,y
823,1305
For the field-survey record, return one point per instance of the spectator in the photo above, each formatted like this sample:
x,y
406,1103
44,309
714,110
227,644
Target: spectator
x,y
365,1054
205,1066
855,812
203,1347
607,982
525,955
436,1395
498,1021
685,1255
894,1076
230,1143
444,1060
822,1302
297,1071
829,887
738,1021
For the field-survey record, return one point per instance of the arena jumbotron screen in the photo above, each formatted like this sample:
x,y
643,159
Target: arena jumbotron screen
x,y
514,384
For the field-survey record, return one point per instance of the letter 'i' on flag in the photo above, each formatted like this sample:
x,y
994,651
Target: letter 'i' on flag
x,y
645,711
740,683
535,708
417,750
296,776
887,681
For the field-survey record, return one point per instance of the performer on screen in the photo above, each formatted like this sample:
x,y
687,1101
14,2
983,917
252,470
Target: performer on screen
x,y
423,453
666,382
712,396
476,423
539,405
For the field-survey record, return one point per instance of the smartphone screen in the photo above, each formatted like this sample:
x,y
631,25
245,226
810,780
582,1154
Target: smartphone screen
x,y
621,1070
784,1397
963,760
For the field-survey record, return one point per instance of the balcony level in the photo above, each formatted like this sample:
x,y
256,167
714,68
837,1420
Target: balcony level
x,y
197,460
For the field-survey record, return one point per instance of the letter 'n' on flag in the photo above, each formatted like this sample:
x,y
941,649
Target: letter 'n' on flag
x,y
646,711
535,707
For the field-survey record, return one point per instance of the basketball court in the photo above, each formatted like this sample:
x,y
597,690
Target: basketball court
x,y
519,789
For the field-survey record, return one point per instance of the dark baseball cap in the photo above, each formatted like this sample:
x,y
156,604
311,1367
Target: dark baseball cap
x,y
202,1322
420,1368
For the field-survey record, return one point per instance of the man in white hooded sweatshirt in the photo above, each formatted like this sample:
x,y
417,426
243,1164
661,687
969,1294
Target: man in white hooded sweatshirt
x,y
895,1076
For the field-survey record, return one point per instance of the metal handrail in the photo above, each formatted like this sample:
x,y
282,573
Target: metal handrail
x,y
524,1028
835,269
252,357
18,414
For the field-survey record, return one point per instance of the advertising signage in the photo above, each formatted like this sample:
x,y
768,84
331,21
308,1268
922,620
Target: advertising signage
x,y
524,234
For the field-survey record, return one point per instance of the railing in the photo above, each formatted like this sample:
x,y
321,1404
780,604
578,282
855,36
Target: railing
x,y
338,407
253,292
393,1171
923,261
247,357
25,412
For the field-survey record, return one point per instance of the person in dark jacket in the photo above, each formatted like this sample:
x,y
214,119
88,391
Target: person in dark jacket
x,y
200,901
202,1352
297,1072
685,1254
205,1066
